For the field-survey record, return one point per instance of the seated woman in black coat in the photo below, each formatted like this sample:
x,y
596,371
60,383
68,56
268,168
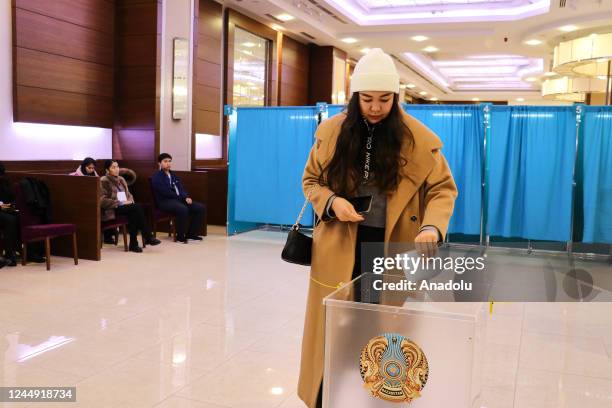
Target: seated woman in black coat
x,y
117,200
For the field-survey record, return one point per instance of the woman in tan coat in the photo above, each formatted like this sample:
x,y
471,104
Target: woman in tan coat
x,y
372,149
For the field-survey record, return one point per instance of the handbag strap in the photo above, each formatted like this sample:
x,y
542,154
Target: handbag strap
x,y
296,225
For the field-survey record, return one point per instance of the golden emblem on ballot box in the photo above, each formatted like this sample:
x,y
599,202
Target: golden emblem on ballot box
x,y
393,368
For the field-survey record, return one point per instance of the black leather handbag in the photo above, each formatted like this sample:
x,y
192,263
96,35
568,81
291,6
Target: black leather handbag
x,y
298,248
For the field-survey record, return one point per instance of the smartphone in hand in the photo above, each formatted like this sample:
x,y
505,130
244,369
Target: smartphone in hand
x,y
361,204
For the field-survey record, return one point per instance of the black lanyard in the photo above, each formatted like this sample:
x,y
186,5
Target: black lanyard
x,y
368,154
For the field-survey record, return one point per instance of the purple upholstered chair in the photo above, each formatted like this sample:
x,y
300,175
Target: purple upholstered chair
x,y
159,216
32,230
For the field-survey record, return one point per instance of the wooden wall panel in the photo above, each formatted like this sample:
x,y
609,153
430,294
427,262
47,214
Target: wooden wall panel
x,y
45,166
62,108
209,50
68,74
206,122
138,18
208,74
137,84
293,89
42,33
216,195
207,81
95,14
63,62
320,75
207,98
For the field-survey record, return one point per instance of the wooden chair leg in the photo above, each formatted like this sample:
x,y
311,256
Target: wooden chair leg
x,y
48,252
154,224
24,253
124,233
75,249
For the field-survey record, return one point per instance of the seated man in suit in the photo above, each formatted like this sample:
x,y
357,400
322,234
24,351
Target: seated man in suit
x,y
172,198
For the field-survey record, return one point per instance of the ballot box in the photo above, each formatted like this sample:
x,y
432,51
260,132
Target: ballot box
x,y
401,348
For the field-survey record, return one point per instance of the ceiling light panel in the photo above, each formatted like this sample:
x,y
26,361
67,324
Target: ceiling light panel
x,y
285,17
477,72
381,12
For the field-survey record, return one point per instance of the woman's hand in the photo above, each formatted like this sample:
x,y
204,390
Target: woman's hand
x,y
426,243
345,211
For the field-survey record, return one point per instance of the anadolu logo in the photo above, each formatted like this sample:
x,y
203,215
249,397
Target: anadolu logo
x,y
393,368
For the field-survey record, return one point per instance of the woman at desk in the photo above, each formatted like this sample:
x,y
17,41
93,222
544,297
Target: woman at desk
x,y
117,200
86,168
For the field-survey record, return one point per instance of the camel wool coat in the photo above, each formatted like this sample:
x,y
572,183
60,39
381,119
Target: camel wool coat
x,y
425,196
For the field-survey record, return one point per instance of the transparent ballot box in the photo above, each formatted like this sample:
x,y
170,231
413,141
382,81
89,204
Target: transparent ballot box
x,y
414,334
396,346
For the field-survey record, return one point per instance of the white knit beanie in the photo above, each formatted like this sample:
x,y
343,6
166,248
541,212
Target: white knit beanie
x,y
375,71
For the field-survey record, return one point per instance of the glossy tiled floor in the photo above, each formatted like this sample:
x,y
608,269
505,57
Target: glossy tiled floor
x,y
218,324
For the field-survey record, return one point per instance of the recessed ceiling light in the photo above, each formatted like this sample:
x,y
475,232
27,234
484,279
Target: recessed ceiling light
x,y
349,40
533,42
568,28
602,77
248,44
531,79
475,99
285,17
520,99
419,38
431,48
410,86
433,99
365,50
422,93
402,86
549,74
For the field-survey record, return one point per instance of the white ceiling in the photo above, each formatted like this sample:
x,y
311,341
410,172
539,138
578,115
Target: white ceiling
x,y
476,57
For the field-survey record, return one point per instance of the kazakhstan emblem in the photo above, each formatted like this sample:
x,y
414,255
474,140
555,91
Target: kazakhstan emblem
x,y
393,368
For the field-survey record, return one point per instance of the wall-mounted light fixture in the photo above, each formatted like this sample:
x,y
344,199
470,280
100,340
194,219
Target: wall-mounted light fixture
x,y
180,78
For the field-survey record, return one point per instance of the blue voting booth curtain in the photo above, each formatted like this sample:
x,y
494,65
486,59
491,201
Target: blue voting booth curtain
x,y
531,159
461,129
597,174
334,110
271,149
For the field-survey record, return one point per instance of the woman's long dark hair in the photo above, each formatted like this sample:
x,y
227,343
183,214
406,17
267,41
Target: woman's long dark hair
x,y
344,172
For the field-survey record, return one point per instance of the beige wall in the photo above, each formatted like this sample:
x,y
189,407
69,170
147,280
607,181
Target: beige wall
x,y
175,135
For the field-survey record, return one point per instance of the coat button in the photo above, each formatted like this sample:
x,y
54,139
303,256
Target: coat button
x,y
413,218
